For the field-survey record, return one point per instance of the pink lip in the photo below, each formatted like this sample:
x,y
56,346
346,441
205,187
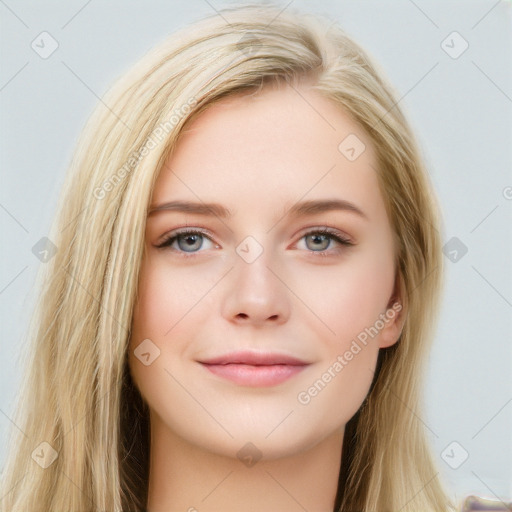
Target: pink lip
x,y
255,369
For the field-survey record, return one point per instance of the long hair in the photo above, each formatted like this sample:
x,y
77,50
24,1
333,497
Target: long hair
x,y
78,396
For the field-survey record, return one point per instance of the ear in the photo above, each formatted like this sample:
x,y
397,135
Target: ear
x,y
395,315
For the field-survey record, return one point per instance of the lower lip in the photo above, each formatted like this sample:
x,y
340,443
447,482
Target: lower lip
x,y
257,376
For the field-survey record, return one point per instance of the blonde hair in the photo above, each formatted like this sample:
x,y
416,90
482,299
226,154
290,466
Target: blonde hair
x,y
78,395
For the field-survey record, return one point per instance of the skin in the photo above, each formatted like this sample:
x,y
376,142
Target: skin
x,y
258,155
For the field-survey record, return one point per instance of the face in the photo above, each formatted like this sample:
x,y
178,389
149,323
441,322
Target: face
x,y
260,319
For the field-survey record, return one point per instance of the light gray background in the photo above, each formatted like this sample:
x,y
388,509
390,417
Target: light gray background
x,y
460,108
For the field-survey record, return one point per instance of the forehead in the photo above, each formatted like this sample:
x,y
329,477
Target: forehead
x,y
278,146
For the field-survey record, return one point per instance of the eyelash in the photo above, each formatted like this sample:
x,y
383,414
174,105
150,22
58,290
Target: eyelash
x,y
171,237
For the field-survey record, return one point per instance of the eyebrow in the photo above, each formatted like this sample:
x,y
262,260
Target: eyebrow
x,y
301,209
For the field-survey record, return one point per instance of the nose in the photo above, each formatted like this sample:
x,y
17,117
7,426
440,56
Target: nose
x,y
256,294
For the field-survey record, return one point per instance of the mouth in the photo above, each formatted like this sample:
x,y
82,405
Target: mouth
x,y
255,369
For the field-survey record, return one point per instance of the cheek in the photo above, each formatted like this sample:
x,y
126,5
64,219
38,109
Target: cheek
x,y
170,306
156,313
167,296
346,299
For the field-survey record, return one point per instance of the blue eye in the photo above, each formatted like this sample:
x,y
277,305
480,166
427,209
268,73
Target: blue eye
x,y
189,241
320,236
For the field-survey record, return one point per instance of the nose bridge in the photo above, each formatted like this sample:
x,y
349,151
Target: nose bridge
x,y
255,293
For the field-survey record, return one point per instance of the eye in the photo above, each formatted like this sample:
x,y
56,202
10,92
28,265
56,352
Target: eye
x,y
320,239
188,241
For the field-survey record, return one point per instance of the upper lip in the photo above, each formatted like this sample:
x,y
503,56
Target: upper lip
x,y
255,359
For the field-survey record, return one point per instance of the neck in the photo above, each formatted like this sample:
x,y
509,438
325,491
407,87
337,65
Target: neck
x,y
186,478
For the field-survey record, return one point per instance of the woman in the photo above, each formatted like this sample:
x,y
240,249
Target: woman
x,y
240,308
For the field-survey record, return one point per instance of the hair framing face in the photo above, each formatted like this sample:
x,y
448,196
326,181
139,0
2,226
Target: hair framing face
x,y
78,396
